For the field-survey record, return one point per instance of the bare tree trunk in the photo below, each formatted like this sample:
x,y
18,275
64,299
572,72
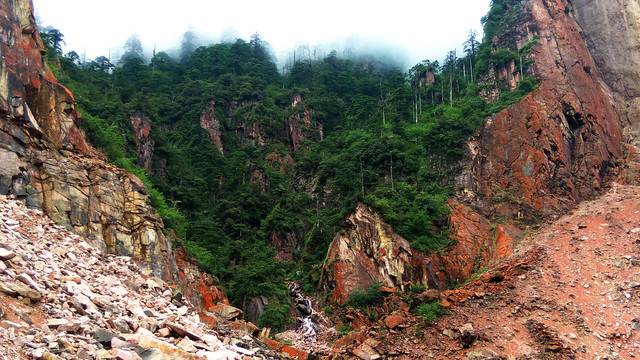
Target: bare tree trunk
x,y
392,189
450,89
415,106
361,178
382,102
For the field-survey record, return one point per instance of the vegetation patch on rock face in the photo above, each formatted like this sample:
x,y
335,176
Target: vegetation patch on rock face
x,y
259,194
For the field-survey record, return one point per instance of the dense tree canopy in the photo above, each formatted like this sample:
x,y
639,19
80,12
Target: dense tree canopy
x,y
373,134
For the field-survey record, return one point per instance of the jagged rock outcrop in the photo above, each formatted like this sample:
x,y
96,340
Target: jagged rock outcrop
x,y
47,163
299,124
552,149
211,123
504,76
367,251
52,167
144,142
611,32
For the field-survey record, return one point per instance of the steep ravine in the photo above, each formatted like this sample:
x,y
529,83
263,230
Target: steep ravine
x,y
529,163
533,161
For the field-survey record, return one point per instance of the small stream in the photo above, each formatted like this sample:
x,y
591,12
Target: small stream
x,y
304,307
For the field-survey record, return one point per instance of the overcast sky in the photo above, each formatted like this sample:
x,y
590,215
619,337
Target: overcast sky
x,y
415,29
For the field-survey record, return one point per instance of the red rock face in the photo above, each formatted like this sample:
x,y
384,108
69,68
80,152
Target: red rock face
x,y
505,240
198,285
473,243
535,159
552,149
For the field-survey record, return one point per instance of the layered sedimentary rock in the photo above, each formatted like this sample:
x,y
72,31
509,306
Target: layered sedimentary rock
x,y
553,148
47,163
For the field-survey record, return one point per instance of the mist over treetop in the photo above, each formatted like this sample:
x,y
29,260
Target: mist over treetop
x,y
425,29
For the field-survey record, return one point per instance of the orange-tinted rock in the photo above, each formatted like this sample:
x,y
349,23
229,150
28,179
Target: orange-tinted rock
x,y
553,148
289,350
505,240
388,290
393,321
197,286
224,312
472,248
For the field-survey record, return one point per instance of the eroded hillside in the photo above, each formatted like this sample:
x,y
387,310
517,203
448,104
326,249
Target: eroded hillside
x,y
61,298
571,291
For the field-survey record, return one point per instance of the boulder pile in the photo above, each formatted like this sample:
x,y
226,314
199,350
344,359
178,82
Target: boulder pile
x,y
61,298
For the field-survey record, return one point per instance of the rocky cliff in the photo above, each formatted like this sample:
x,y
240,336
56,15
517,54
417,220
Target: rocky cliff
x,y
569,292
553,148
532,161
47,163
247,122
367,251
611,32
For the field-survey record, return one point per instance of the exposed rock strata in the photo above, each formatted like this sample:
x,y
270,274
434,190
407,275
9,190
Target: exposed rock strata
x,y
570,291
46,161
61,298
211,123
367,251
534,160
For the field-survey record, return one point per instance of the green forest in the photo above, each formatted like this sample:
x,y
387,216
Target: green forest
x,y
365,131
